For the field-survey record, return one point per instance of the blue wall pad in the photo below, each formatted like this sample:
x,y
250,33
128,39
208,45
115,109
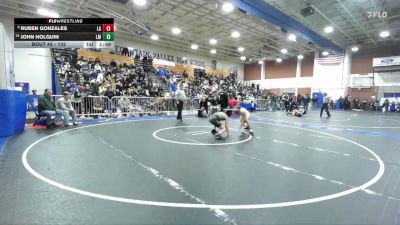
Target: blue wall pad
x,y
12,112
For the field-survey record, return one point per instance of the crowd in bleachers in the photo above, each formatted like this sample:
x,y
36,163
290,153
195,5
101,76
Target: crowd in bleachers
x,y
86,77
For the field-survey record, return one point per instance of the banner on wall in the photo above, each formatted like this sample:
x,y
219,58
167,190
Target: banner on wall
x,y
22,86
386,61
156,55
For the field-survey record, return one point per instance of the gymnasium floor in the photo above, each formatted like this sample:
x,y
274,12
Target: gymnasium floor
x,y
310,170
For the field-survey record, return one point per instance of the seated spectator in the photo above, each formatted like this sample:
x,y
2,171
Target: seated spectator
x,y
124,104
64,104
47,108
203,108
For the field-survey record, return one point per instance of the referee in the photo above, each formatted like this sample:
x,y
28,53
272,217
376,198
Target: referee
x,y
180,93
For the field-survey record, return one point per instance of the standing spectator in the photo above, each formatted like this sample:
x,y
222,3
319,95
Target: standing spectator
x,y
78,99
306,101
185,76
325,105
314,101
346,103
341,101
48,108
273,102
223,101
65,105
180,93
173,87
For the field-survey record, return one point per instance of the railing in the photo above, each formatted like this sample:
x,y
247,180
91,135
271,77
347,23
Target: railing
x,y
139,106
263,104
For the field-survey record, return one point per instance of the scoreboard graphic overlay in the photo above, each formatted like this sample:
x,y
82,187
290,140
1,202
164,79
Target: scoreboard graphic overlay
x,y
64,33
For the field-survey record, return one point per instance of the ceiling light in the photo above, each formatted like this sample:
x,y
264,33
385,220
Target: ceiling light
x,y
140,2
260,62
184,58
194,46
284,50
235,34
46,12
242,58
213,41
227,7
240,49
300,57
354,49
384,34
176,30
48,0
328,29
279,60
325,53
213,51
250,60
292,37
154,37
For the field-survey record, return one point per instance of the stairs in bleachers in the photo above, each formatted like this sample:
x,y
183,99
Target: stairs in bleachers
x,y
154,79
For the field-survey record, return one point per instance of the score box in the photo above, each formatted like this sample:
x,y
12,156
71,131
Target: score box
x,y
108,36
108,27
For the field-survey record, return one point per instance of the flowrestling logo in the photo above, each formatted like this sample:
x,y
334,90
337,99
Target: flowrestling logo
x,y
377,14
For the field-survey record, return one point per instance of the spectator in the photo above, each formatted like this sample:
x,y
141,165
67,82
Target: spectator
x,y
385,105
325,105
341,102
203,108
306,101
113,63
78,99
65,105
48,108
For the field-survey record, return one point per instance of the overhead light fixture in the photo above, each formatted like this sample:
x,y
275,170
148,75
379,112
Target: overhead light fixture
x,y
176,30
384,34
325,53
140,2
227,7
213,41
154,37
242,58
213,51
300,57
48,0
250,60
328,29
194,46
46,12
279,60
354,49
235,34
292,37
283,50
184,58
240,49
260,62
